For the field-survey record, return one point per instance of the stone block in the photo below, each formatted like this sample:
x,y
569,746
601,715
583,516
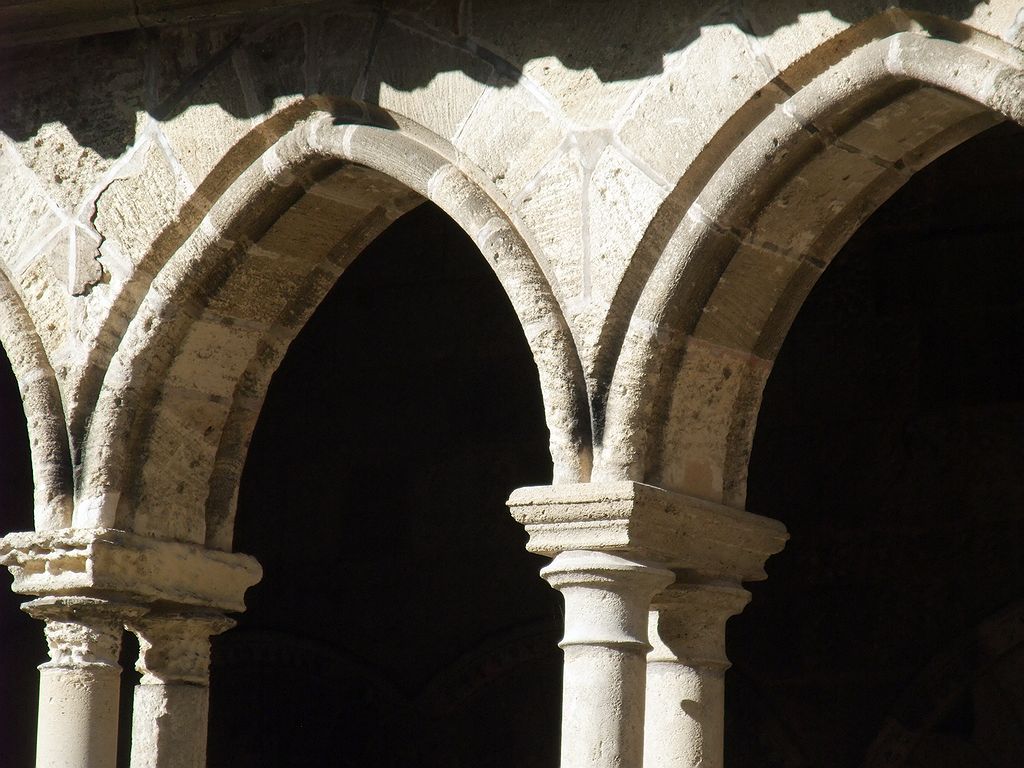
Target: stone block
x,y
679,113
215,119
278,68
900,127
343,42
68,123
701,417
140,204
592,61
772,150
670,529
811,198
315,224
789,31
258,291
98,560
173,480
510,135
621,201
552,207
430,81
46,298
27,217
211,357
1001,19
179,54
441,15
737,311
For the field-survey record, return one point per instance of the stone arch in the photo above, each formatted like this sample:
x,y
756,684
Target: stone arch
x,y
167,443
747,244
44,410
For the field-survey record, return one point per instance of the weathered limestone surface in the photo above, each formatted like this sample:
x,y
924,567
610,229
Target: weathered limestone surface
x,y
593,146
79,686
172,699
644,664
96,561
657,187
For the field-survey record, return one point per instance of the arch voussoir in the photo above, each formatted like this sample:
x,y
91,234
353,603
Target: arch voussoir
x,y
252,272
780,205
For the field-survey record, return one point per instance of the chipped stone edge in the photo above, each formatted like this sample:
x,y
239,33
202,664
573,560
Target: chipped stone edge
x,y
100,561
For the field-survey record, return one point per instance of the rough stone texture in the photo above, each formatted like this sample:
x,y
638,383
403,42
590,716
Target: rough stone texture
x,y
683,132
787,31
425,79
101,561
344,43
621,199
589,63
552,206
138,205
649,523
30,215
656,187
68,126
511,135
78,686
213,118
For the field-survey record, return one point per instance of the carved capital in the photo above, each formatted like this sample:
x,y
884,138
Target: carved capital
x,y
606,598
687,623
709,541
175,647
82,632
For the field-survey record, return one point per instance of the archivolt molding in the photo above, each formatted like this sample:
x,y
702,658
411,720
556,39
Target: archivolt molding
x,y
44,411
185,386
747,245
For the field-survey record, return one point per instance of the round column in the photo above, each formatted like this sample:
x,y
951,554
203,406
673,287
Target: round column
x,y
685,709
607,598
172,701
79,687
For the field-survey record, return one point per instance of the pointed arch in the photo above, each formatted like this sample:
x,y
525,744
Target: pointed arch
x,y
746,248
166,444
44,410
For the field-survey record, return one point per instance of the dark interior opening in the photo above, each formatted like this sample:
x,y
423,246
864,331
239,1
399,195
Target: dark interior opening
x,y
891,443
22,646
400,621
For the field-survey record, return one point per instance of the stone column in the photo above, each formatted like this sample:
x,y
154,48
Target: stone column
x,y
607,598
79,687
685,707
172,593
608,541
172,701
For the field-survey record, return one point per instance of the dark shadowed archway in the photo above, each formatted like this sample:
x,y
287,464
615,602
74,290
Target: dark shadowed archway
x,y
890,441
400,620
21,642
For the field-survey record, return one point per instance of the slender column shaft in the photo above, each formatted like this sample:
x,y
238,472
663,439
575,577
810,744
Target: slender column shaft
x,y
172,700
607,599
79,687
685,709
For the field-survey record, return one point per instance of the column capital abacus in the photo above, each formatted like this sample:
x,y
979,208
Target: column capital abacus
x,y
100,562
696,538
